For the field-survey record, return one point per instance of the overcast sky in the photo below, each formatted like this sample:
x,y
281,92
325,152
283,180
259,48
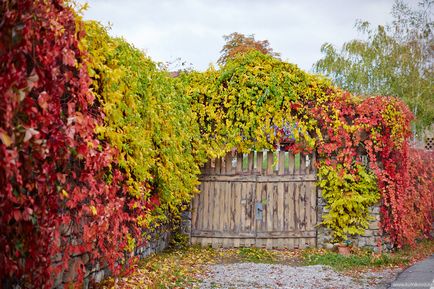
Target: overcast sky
x,y
192,29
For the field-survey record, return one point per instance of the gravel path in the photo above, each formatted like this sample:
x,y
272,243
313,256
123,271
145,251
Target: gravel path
x,y
252,275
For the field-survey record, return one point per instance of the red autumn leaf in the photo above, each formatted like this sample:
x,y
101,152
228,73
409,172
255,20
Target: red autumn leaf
x,y
17,215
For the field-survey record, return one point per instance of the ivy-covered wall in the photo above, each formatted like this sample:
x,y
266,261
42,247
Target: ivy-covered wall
x,y
256,102
94,273
370,238
97,138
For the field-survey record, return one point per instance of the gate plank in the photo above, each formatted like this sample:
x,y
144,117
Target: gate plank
x,y
269,207
247,208
303,206
276,216
216,196
312,208
239,163
270,161
218,164
205,215
296,212
313,163
237,217
308,164
211,206
291,169
220,197
207,169
291,199
242,217
228,203
228,162
233,207
280,206
251,207
215,215
261,190
299,202
200,211
281,163
259,160
302,169
225,206
286,196
250,164
195,208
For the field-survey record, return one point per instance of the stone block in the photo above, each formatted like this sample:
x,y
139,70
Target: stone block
x,y
98,276
65,230
57,258
58,280
328,246
85,258
75,242
376,210
86,283
74,266
371,241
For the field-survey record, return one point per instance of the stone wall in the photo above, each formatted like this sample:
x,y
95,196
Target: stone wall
x,y
368,240
159,240
372,235
186,223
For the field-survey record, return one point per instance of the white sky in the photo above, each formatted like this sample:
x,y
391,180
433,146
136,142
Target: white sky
x,y
192,29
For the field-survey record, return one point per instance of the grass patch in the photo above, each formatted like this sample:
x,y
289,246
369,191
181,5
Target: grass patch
x,y
257,255
341,263
366,259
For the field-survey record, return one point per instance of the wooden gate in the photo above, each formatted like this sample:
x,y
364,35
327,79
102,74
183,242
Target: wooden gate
x,y
263,199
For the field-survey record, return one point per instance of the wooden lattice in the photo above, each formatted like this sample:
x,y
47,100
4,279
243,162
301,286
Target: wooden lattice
x,y
429,143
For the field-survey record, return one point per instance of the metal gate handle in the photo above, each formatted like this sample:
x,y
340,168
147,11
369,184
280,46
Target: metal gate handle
x,y
259,210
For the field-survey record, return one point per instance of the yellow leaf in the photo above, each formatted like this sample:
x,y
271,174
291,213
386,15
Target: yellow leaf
x,y
65,194
5,138
93,210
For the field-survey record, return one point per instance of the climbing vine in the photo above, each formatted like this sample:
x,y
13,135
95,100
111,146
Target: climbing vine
x,y
244,103
55,174
148,120
257,102
420,200
349,196
96,146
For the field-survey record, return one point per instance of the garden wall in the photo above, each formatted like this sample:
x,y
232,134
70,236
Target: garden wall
x,y
158,241
368,240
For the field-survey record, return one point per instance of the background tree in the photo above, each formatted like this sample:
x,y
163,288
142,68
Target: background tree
x,y
395,59
239,43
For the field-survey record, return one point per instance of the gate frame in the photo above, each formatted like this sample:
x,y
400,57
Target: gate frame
x,y
280,170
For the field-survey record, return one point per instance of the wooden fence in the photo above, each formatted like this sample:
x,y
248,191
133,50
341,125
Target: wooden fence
x,y
263,199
